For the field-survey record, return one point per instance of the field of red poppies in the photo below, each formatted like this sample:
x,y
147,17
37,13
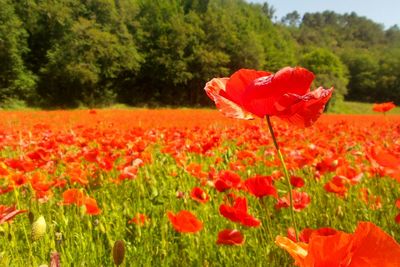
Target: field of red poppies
x,y
192,188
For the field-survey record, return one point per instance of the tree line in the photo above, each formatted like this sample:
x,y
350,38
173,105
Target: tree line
x,y
67,53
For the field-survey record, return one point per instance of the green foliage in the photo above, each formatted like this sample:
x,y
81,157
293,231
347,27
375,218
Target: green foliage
x,y
350,107
82,67
66,53
329,71
15,80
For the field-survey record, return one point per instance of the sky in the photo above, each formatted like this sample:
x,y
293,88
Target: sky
x,y
385,12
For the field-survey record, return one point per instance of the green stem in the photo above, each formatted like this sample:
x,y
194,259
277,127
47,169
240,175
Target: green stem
x,y
265,206
286,173
23,227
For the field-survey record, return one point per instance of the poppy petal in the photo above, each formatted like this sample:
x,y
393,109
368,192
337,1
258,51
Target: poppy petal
x,y
185,222
308,108
239,81
215,90
230,237
261,97
369,237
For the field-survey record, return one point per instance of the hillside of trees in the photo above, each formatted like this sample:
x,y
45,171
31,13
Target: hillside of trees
x,y
67,53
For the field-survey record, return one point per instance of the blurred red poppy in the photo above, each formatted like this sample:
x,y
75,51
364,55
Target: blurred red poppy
x,y
261,186
238,213
91,206
185,222
230,237
8,213
227,180
199,195
139,219
297,181
397,218
73,196
305,234
383,107
285,94
337,185
300,201
368,246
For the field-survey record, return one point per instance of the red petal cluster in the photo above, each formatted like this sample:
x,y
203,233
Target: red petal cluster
x,y
285,94
227,180
185,222
199,195
261,186
300,201
76,196
383,107
368,246
238,213
230,237
8,213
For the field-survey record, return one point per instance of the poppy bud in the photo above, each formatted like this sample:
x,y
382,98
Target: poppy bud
x,y
38,228
119,252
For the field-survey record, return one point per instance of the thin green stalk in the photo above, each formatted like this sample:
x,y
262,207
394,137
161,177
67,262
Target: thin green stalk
x,y
265,206
286,173
23,228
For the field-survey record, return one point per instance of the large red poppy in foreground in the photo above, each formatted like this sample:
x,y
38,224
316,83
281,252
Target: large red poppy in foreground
x,y
368,246
285,94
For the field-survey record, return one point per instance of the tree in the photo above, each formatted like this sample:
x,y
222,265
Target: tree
x,y
363,70
329,71
16,82
83,67
292,19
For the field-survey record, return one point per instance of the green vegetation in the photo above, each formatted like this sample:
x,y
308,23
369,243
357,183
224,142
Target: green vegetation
x,y
95,53
350,107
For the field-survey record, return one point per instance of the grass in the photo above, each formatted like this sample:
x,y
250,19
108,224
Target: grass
x,y
348,107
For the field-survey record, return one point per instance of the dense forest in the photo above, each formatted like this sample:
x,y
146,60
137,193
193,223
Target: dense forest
x,y
68,53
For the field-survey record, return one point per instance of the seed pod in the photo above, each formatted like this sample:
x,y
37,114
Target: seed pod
x,y
38,228
119,252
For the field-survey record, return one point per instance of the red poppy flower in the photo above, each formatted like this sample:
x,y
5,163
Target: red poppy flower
x,y
185,222
397,218
368,246
139,219
385,158
73,196
300,201
261,186
8,213
297,181
227,180
337,185
238,213
285,94
199,195
230,237
305,234
398,203
383,107
91,206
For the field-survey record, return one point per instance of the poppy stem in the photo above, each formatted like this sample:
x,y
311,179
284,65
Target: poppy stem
x,y
264,205
286,173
